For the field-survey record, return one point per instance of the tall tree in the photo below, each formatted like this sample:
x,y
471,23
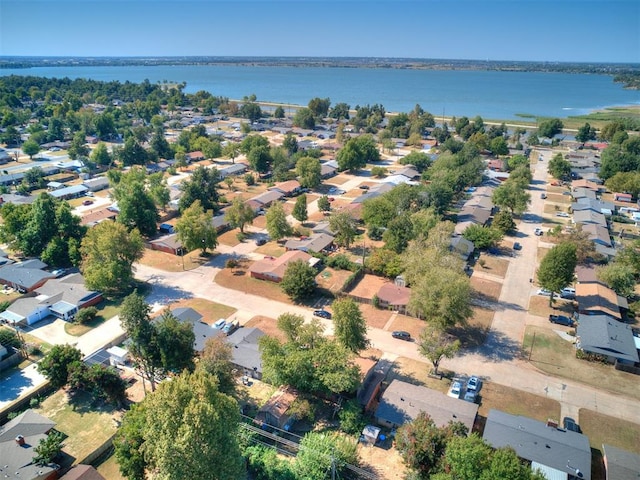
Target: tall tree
x,y
586,133
108,253
557,268
186,430
31,148
619,277
357,152
436,344
239,214
299,280
344,227
550,128
277,224
558,167
100,155
231,150
513,196
309,172
300,209
350,325
323,204
196,230
56,363
216,360
201,186
176,340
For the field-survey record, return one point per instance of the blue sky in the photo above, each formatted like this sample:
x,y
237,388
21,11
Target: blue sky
x,y
539,30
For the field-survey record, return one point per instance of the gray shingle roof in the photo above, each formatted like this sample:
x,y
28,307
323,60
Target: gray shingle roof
x,y
533,440
621,465
246,353
605,336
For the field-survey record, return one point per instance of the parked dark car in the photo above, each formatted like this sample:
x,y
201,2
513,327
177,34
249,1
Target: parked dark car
x,y
561,320
570,424
260,241
322,314
517,246
402,335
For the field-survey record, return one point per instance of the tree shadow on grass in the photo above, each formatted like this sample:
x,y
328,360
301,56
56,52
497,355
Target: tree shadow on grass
x,y
497,347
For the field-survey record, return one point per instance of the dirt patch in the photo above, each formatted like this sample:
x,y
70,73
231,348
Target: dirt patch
x,y
559,198
368,286
539,305
260,222
493,265
268,325
610,430
172,263
557,357
541,252
488,290
331,279
339,180
516,402
272,249
375,317
385,462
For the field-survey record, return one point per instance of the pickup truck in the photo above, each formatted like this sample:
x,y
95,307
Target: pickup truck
x,y
561,320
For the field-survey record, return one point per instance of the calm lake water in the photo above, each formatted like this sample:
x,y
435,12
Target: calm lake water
x,y
493,95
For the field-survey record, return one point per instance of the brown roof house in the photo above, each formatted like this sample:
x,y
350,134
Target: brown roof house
x,y
401,402
82,472
595,298
394,296
168,244
276,411
18,439
272,269
288,188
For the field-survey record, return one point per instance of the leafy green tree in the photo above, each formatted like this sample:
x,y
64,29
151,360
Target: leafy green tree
x,y
41,228
467,457
550,128
505,464
482,237
352,420
517,161
260,159
357,152
420,160
299,280
278,112
108,253
309,172
216,359
201,186
619,277
31,148
290,324
503,221
55,365
78,147
350,325
384,262
398,233
585,133
137,208
101,381
251,110
176,340
321,452
627,182
499,146
324,205
344,227
48,448
304,118
513,196
128,441
300,209
277,224
557,268
100,155
559,167
231,150
340,111
422,444
239,214
180,430
196,230
435,344
620,157
319,106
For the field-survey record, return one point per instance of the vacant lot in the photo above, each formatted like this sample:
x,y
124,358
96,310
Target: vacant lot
x,y
87,426
557,357
331,279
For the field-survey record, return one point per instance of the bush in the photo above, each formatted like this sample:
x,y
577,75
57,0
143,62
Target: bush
x,y
375,232
86,315
231,263
33,349
249,179
34,402
376,301
342,262
241,236
379,172
351,419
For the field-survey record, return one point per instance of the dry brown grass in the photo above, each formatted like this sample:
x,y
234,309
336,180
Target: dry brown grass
x,y
539,305
559,198
493,265
541,252
610,430
172,263
368,286
409,324
474,333
272,249
413,371
331,279
488,289
210,311
268,325
557,357
229,237
375,317
239,279
339,180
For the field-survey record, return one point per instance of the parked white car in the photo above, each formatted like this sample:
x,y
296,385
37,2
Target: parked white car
x,y
455,390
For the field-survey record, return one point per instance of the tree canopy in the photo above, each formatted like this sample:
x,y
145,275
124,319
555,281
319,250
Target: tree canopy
x,y
277,224
350,325
557,268
299,280
357,152
196,230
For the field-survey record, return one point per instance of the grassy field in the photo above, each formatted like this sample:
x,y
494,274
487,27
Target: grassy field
x,y
516,402
172,263
613,431
493,265
87,426
557,357
109,469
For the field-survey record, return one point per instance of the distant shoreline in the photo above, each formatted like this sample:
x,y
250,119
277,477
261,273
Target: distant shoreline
x,y
328,62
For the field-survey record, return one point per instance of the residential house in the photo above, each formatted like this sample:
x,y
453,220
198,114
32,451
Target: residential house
x,y
596,299
580,193
399,179
598,234
168,244
322,227
589,185
220,222
272,269
584,217
394,297
246,352
586,274
201,330
327,171
82,472
18,440
606,252
602,335
401,402
268,197
374,192
27,275
620,464
475,215
623,197
96,184
16,199
497,165
318,242
462,247
556,452
371,383
67,193
289,188
353,209
276,411
232,170
194,156
408,171
93,218
600,206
